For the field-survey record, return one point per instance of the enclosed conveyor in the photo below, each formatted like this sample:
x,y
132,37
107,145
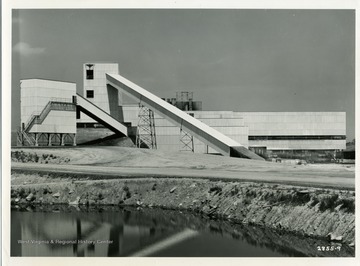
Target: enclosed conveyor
x,y
100,115
198,129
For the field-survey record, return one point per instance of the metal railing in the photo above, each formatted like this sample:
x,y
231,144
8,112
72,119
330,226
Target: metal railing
x,y
51,105
63,100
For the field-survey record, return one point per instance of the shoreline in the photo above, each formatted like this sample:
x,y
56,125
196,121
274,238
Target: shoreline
x,y
310,212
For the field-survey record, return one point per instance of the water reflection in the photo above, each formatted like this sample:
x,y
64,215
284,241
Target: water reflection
x,y
113,232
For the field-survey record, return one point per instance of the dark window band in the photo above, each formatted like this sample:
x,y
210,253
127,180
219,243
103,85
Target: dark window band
x,y
304,137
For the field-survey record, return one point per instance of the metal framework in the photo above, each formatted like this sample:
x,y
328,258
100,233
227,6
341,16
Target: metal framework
x,y
45,139
186,141
145,133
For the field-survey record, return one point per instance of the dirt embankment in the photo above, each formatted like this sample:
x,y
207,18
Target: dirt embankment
x,y
323,213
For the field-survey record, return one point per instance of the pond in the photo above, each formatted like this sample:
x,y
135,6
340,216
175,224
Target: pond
x,y
62,231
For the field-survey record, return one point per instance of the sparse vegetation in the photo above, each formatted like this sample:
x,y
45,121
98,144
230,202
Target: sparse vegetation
x,y
127,191
234,191
29,157
328,203
246,201
216,189
347,205
314,202
250,193
22,193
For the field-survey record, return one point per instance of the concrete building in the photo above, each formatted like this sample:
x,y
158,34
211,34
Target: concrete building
x,y
308,135
106,98
296,130
47,107
47,112
97,92
273,134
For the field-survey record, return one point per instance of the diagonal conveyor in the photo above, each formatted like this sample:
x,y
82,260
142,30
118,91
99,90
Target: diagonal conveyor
x,y
99,115
203,132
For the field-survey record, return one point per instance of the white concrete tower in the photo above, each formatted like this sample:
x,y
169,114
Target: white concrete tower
x,y
95,90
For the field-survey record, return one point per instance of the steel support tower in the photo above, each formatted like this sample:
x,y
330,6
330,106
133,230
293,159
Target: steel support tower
x,y
145,133
186,141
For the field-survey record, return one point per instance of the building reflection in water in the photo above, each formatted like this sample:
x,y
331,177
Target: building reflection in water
x,y
81,234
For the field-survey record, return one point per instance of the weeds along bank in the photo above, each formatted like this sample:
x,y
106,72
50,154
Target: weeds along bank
x,y
323,213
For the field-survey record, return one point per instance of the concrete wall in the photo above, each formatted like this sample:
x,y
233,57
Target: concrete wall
x,y
57,122
35,95
295,123
324,124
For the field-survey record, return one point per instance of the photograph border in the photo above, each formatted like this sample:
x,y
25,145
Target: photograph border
x,y
9,5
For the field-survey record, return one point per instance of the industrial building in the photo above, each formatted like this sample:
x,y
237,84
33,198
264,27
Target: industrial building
x,y
47,112
52,113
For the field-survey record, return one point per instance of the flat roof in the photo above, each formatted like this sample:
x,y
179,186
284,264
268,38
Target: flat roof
x,y
48,80
100,62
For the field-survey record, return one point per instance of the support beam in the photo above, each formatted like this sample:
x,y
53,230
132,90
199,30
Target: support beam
x,y
62,139
193,126
37,136
49,139
74,140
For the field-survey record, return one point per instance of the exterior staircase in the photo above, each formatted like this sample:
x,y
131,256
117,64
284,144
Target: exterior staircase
x,y
25,137
52,105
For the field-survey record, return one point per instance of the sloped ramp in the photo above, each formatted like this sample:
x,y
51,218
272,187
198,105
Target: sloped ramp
x,y
100,115
203,132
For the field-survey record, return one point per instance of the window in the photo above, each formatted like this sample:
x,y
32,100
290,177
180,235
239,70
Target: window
x,y
77,113
90,94
301,137
89,71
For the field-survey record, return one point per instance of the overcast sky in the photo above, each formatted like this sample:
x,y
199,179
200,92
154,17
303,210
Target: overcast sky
x,y
240,60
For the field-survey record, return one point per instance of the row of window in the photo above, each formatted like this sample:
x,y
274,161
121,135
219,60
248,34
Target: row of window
x,y
304,137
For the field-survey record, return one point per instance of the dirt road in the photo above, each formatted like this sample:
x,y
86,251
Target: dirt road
x,y
330,179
